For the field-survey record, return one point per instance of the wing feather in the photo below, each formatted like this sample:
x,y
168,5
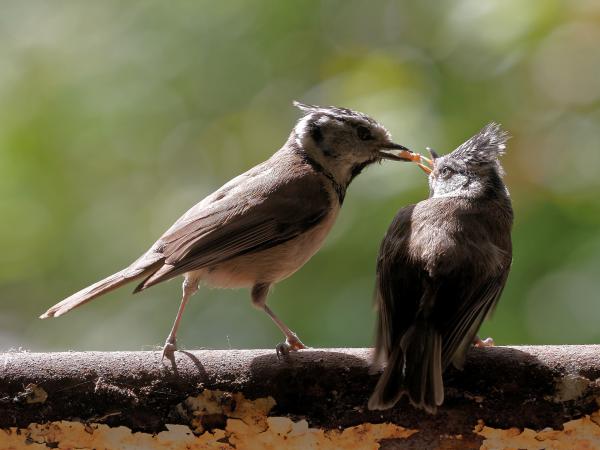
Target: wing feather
x,y
243,219
462,325
397,287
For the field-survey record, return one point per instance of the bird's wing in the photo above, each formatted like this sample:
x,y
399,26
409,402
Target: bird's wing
x,y
432,300
473,303
398,287
457,302
256,213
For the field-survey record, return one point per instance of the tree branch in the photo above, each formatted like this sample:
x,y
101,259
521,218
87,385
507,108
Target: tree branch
x,y
502,387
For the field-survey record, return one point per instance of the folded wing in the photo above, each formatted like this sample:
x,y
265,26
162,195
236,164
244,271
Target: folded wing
x,y
239,221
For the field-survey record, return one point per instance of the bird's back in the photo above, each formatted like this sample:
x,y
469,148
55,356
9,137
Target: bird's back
x,y
451,244
443,265
451,233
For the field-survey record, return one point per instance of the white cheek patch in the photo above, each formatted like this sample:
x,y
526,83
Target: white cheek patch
x,y
302,128
458,189
453,187
446,194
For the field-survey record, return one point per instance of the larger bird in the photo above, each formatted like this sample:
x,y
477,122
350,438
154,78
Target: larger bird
x,y
441,269
263,225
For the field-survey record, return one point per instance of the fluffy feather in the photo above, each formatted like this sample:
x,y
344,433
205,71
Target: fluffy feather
x,y
441,269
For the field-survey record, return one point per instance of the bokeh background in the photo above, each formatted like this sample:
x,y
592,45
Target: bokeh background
x,y
116,117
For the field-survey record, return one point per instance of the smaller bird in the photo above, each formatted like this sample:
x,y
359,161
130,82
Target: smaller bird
x,y
263,225
441,269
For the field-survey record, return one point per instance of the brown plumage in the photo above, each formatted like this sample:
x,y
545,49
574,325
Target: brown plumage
x,y
263,225
441,269
234,221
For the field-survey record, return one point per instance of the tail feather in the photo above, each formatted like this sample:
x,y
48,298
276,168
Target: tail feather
x,y
422,346
414,368
108,284
154,277
389,388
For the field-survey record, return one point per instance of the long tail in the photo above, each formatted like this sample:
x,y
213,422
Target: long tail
x,y
414,368
142,267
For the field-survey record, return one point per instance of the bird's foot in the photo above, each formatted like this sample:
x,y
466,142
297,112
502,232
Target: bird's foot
x,y
291,344
487,342
169,348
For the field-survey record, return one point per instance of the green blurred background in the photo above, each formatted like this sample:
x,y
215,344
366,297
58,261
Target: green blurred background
x,y
116,117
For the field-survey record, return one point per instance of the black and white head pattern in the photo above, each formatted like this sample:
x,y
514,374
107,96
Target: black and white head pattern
x,y
342,140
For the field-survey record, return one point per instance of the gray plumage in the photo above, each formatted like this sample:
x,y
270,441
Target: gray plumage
x,y
263,225
440,272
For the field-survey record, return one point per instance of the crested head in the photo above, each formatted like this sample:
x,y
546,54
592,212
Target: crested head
x,y
342,140
473,169
483,148
343,124
335,112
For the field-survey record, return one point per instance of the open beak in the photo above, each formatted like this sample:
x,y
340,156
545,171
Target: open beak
x,y
431,162
401,153
423,167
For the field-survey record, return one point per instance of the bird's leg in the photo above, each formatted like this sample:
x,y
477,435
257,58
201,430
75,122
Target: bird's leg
x,y
487,342
291,343
189,288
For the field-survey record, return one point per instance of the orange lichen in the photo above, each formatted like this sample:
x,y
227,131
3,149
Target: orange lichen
x,y
580,434
247,426
218,420
76,435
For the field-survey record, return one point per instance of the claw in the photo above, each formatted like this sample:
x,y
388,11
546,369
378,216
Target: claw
x,y
169,349
291,344
487,342
282,349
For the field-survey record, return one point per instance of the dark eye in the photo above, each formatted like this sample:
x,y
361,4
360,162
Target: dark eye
x,y
446,171
364,133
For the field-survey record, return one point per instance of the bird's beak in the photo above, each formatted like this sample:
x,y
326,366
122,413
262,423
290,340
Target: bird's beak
x,y
403,154
431,162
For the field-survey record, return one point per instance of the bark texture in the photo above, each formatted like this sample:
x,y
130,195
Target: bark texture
x,y
537,388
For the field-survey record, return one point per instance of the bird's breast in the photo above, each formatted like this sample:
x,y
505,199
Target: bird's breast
x,y
273,264
445,236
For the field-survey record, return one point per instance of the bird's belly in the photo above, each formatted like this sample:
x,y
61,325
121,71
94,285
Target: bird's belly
x,y
270,265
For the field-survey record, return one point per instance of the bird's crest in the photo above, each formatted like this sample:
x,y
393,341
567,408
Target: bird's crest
x,y
483,148
334,111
